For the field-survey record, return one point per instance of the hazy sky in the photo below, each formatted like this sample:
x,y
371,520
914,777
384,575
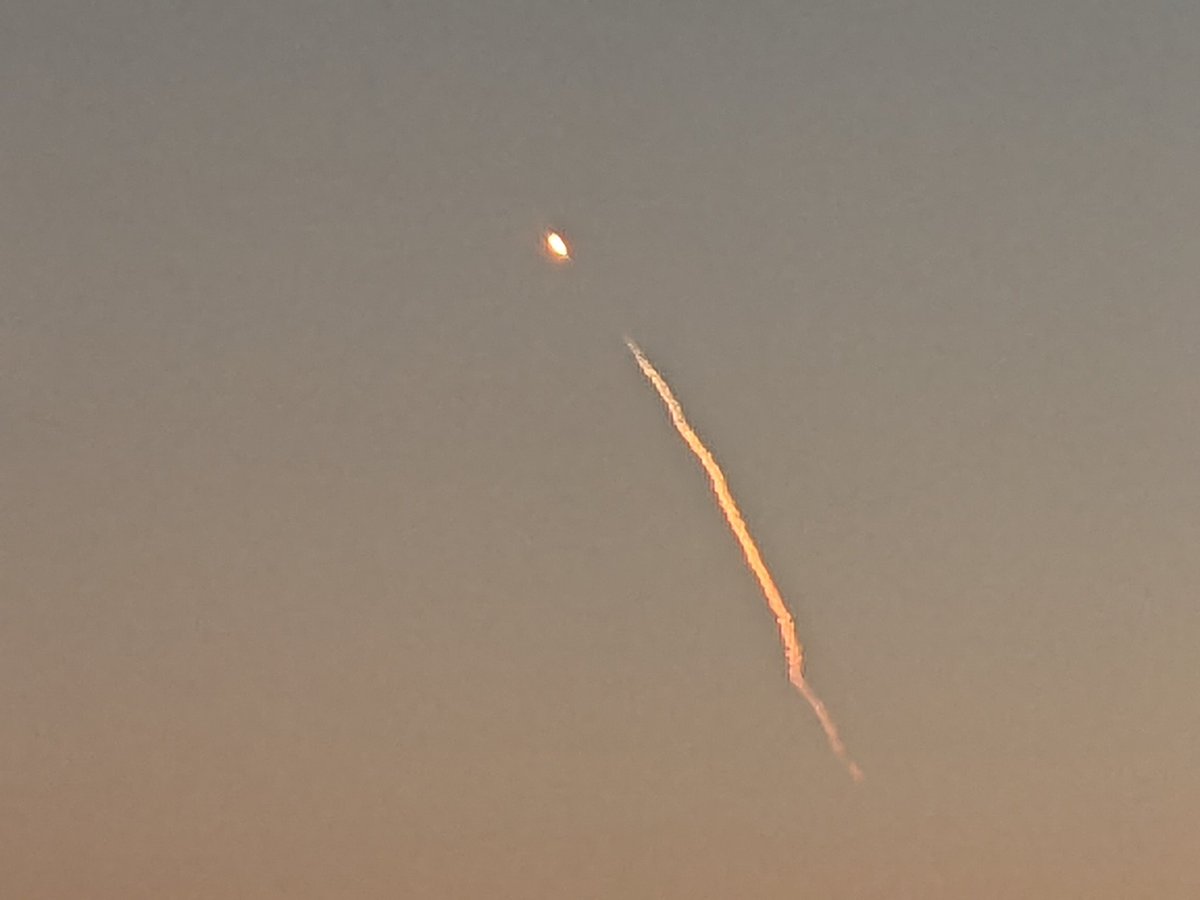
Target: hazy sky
x,y
344,553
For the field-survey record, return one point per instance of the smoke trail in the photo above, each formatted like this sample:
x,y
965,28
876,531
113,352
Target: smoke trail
x,y
792,648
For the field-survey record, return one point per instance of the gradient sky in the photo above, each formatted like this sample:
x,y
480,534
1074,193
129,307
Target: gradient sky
x,y
345,553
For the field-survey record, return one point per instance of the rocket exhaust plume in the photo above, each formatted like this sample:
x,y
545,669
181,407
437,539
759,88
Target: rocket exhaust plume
x,y
556,246
792,648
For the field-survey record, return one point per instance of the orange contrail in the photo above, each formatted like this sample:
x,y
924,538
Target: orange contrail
x,y
792,649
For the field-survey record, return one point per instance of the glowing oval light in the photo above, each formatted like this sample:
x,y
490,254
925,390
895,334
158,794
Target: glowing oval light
x,y
557,246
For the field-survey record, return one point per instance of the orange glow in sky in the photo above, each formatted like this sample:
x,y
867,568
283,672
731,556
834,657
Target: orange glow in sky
x,y
557,246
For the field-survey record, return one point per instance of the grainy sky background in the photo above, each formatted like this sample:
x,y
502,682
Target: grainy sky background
x,y
346,554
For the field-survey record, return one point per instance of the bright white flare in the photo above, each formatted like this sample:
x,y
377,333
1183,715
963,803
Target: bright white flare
x,y
792,648
557,246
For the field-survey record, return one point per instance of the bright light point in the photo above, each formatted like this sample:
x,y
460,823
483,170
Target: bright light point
x,y
557,246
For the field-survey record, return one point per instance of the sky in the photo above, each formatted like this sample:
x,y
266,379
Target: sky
x,y
344,551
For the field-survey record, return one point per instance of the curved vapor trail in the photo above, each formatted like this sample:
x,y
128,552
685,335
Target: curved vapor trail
x,y
792,648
